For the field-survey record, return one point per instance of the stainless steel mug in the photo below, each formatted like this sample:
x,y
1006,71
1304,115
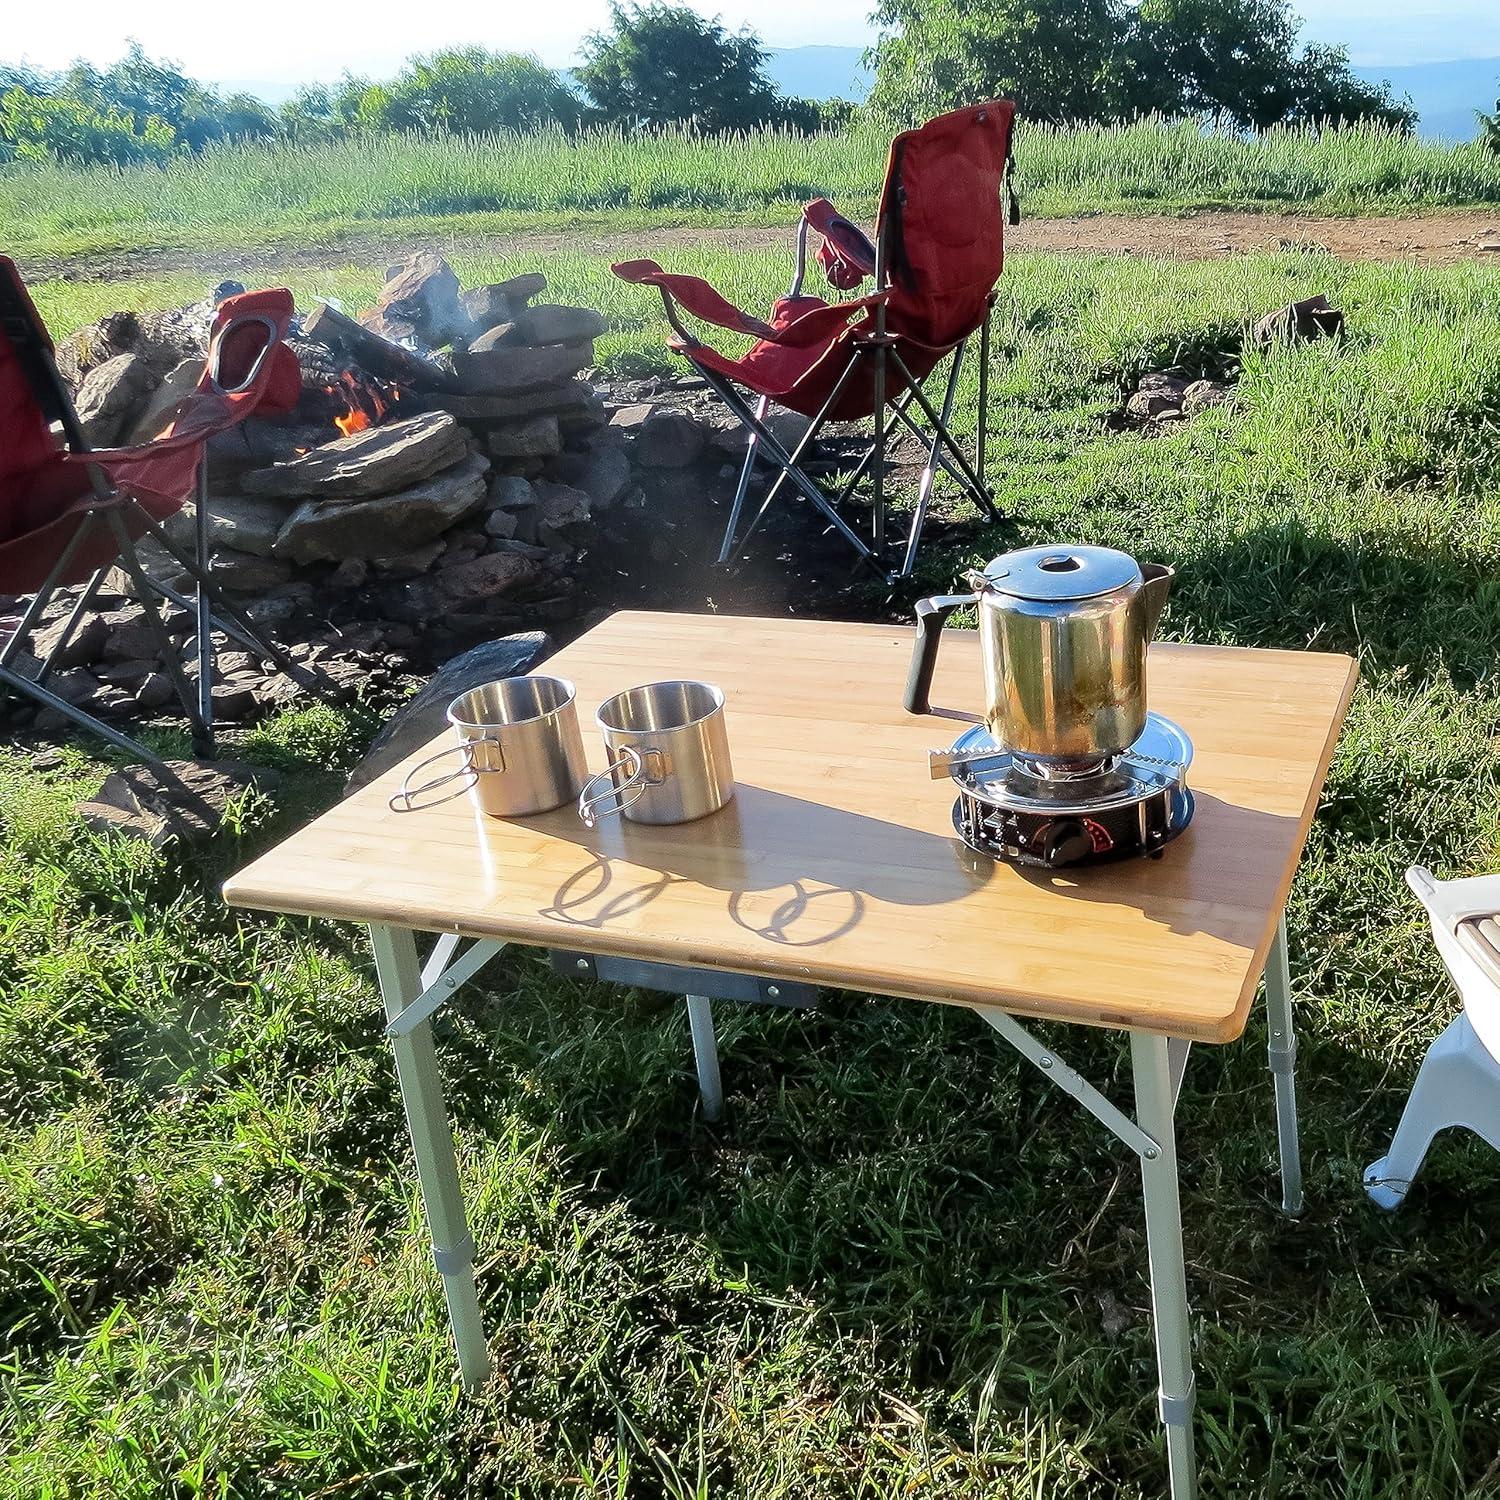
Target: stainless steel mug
x,y
668,755
521,748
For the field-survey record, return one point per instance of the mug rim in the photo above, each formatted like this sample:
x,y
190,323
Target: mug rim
x,y
714,691
569,696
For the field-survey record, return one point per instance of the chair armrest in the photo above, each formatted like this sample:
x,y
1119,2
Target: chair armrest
x,y
695,295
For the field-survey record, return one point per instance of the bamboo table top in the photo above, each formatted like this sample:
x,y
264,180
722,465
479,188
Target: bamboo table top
x,y
836,863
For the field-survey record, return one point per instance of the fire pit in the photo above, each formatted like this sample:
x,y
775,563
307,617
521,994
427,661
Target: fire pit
x,y
431,487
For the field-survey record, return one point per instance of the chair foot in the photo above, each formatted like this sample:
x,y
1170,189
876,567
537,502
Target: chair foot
x,y
1382,1190
1457,1084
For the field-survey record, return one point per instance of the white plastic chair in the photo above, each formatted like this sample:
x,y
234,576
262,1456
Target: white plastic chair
x,y
1459,1080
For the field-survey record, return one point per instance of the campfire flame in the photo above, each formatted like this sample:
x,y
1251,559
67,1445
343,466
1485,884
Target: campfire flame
x,y
365,404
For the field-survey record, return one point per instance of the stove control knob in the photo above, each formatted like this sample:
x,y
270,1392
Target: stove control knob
x,y
1064,842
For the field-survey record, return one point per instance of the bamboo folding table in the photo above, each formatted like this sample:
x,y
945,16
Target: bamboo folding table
x,y
836,864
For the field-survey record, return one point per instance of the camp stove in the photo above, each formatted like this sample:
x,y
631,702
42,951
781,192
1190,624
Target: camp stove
x,y
1052,811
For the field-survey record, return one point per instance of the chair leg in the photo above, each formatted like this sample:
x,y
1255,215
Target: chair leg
x,y
877,463
929,473
26,688
741,489
231,619
803,445
981,425
86,596
787,462
976,483
1457,1084
146,590
203,619
39,601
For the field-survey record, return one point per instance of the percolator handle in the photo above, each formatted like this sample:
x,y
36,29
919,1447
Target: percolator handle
x,y
931,615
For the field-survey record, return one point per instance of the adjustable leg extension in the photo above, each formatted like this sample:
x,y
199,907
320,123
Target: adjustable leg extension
x,y
706,1055
1158,1064
432,1145
1282,1055
1155,1095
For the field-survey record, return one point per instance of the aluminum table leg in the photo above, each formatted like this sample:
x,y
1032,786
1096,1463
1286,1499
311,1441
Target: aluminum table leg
x,y
1282,1052
1155,1103
706,1055
432,1145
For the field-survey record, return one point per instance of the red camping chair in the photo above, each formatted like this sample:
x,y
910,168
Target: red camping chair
x,y
68,513
937,254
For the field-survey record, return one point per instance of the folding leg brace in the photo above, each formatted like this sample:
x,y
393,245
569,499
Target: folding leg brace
x,y
1158,1064
943,451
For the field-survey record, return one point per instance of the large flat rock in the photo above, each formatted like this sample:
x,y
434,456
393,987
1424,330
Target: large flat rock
x,y
565,397
500,369
551,323
187,803
377,461
385,525
426,714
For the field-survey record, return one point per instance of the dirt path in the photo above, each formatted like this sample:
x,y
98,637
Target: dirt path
x,y
1430,239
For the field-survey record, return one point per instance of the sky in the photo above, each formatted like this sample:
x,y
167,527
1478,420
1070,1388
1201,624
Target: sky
x,y
274,44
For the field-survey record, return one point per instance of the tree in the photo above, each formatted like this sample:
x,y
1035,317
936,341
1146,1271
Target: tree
x,y
46,127
144,89
1489,127
319,113
662,64
1060,60
470,91
1104,60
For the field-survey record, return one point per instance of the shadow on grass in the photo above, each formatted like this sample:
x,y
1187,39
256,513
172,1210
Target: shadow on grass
x,y
892,1169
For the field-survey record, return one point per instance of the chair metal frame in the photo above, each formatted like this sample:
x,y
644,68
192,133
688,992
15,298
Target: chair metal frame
x,y
107,510
943,450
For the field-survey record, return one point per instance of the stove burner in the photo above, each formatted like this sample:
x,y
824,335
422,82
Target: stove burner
x,y
1054,814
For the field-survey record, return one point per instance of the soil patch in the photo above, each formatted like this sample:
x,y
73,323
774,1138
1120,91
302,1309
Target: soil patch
x,y
1429,239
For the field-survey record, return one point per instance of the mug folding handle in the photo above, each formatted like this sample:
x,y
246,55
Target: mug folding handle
x,y
635,763
405,800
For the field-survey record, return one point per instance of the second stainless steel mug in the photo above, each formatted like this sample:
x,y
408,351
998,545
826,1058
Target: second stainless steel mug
x,y
668,755
522,752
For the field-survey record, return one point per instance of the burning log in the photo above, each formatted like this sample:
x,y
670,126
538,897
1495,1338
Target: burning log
x,y
364,347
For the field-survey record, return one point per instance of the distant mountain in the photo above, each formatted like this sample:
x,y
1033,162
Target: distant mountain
x,y
819,72
1445,93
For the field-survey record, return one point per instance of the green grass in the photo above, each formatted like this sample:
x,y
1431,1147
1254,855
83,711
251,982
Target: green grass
x,y
396,186
904,1265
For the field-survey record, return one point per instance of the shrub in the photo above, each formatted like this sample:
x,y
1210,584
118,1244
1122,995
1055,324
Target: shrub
x,y
40,127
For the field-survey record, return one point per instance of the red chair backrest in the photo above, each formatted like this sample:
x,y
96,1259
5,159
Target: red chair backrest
x,y
27,397
942,221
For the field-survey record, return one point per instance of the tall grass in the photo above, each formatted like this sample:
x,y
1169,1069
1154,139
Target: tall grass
x,y
251,193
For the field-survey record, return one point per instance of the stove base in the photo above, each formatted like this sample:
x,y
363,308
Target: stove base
x,y
1055,840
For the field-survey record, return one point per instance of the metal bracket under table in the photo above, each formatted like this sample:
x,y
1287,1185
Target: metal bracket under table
x,y
412,994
